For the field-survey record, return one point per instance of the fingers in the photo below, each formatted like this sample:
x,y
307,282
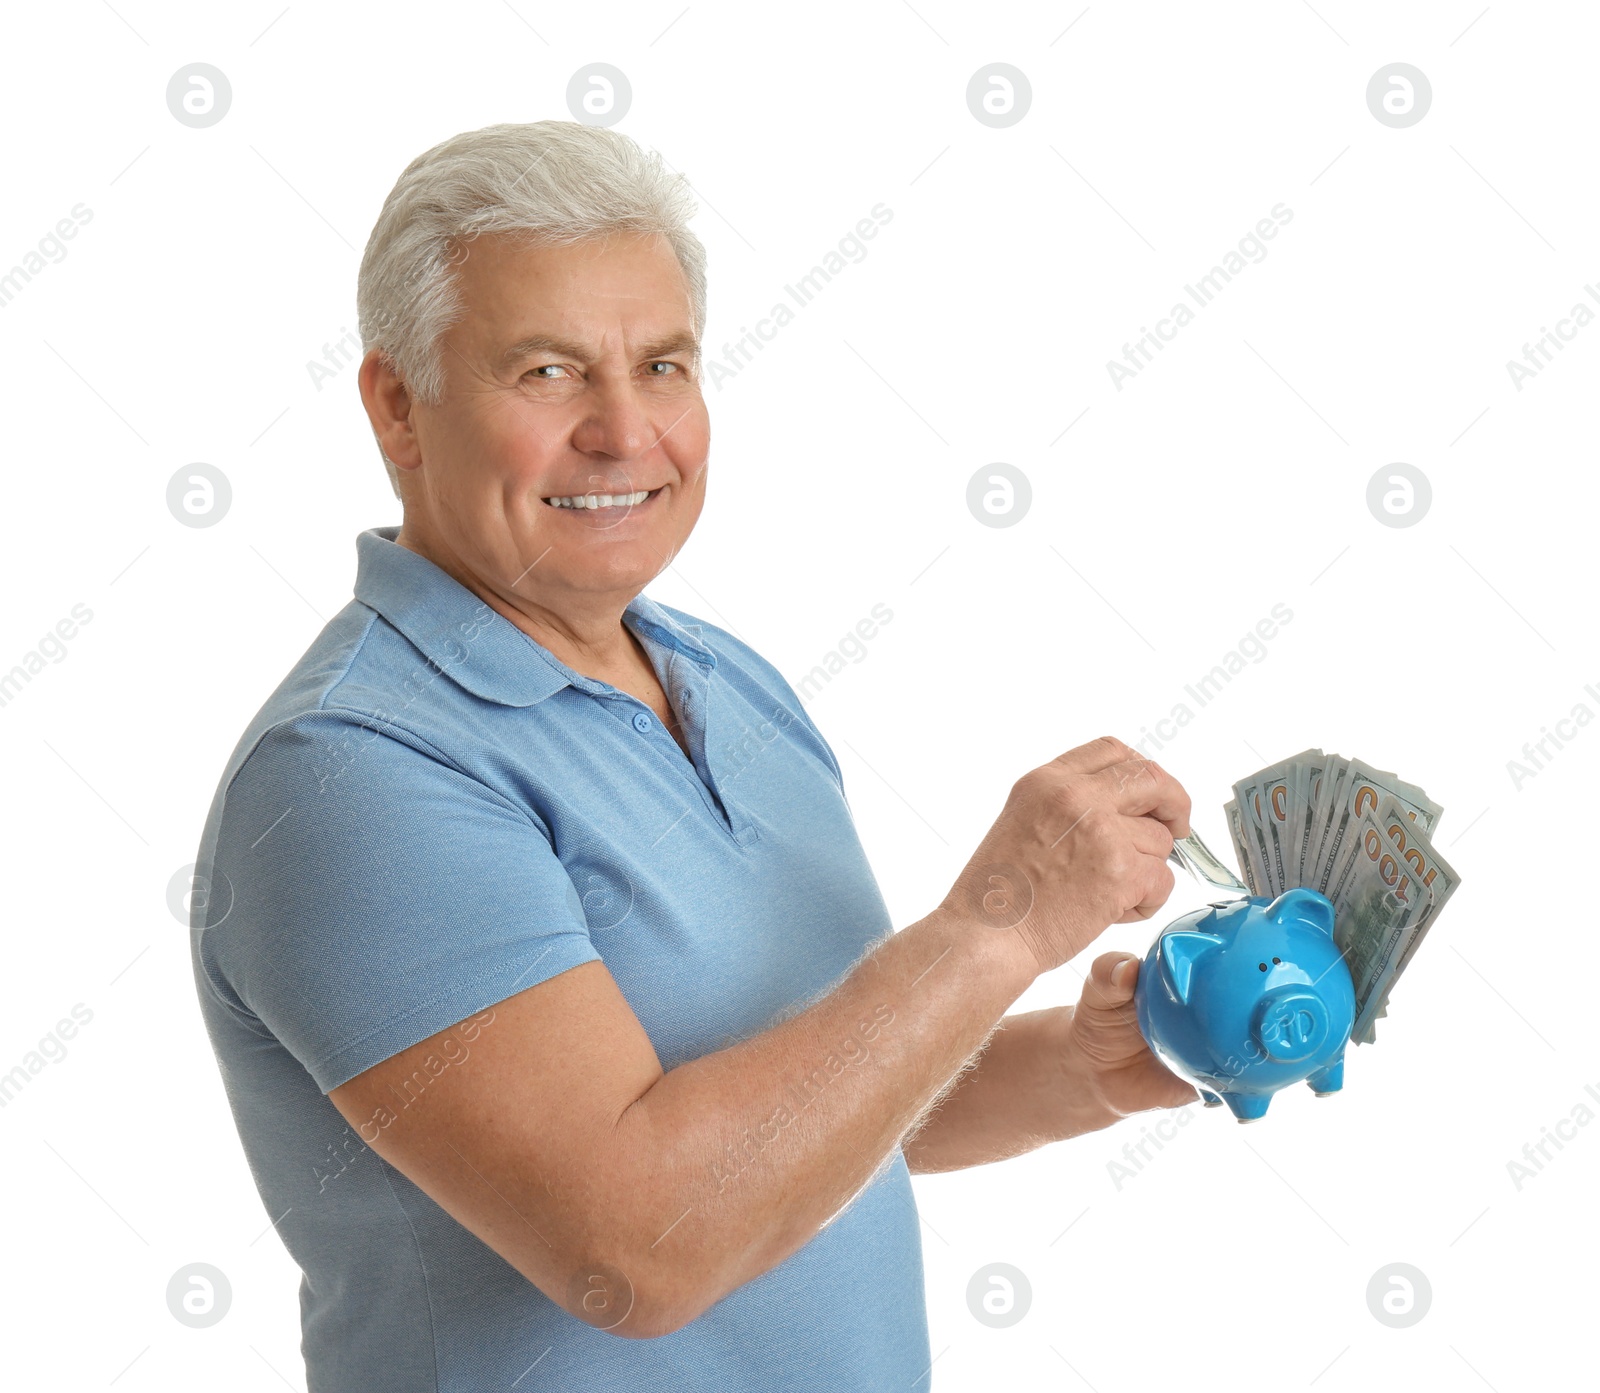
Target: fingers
x,y
1095,756
1147,835
1108,988
1111,980
1157,888
1142,788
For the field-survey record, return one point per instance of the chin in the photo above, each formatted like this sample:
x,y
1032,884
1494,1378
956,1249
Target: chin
x,y
629,567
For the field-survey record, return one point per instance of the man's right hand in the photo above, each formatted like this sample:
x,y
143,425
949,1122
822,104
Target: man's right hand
x,y
1081,844
565,1146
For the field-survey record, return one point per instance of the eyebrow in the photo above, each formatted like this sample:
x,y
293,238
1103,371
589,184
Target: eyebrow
x,y
679,341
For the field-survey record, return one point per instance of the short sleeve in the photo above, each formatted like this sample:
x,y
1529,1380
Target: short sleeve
x,y
798,708
366,894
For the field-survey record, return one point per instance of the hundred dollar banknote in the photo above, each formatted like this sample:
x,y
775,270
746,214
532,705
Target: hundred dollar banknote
x,y
1358,792
1361,836
1378,902
1432,870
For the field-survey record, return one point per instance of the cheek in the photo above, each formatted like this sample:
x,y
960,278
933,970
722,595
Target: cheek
x,y
691,459
494,436
688,437
513,445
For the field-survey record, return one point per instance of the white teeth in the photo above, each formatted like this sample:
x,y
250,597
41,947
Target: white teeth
x,y
601,500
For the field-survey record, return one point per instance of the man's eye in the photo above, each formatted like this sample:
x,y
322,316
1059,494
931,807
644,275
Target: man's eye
x,y
663,364
546,368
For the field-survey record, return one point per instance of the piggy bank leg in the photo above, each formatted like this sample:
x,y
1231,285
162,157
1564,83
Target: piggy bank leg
x,y
1328,1080
1247,1107
1211,1100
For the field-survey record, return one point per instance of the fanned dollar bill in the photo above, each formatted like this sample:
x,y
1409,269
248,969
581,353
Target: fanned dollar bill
x,y
1431,869
1308,796
1241,847
1332,777
1248,796
1361,836
1359,792
1279,797
1378,902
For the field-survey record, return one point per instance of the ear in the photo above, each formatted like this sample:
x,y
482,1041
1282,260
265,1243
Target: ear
x,y
1304,906
388,403
1179,952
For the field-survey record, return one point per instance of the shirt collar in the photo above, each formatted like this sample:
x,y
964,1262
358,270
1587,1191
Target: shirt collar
x,y
473,645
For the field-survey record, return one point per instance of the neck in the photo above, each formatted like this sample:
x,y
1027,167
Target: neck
x,y
585,632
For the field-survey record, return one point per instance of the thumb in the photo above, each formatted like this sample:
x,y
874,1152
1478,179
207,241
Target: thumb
x,y
1112,978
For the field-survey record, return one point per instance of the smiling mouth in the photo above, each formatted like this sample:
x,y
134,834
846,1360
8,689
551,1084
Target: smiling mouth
x,y
591,501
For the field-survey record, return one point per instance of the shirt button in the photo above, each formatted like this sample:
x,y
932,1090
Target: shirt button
x,y
641,722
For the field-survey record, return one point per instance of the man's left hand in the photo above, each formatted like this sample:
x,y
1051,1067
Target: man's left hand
x,y
1115,1062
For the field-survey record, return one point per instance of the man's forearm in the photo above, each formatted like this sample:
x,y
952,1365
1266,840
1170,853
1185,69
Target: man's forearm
x,y
569,1151
1027,1088
754,1148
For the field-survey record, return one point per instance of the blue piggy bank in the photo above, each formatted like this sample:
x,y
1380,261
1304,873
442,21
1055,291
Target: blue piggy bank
x,y
1247,996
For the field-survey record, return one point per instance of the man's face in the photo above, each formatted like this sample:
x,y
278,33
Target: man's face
x,y
569,376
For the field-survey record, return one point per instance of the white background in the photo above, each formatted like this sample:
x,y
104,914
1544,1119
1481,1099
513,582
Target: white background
x,y
1229,476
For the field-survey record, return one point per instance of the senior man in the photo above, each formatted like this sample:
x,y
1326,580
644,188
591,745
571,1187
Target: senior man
x,y
553,994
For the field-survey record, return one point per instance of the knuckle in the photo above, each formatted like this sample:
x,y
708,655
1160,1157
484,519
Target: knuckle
x,y
1103,836
1034,788
1119,861
1041,776
1064,795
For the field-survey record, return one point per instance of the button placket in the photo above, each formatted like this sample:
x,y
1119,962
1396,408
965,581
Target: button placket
x,y
645,722
690,683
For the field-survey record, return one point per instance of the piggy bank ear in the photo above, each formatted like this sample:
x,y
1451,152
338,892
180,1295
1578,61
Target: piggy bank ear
x,y
1303,906
1179,952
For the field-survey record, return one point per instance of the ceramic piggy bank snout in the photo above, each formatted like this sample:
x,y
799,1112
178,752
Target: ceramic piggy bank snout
x,y
1248,996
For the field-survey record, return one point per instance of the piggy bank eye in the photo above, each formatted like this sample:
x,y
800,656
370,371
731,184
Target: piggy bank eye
x,y
1263,966
1277,960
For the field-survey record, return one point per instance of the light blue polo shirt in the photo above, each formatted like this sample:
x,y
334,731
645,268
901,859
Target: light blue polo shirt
x,y
432,813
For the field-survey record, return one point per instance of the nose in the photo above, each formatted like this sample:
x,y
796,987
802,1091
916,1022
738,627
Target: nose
x,y
614,424
1290,1024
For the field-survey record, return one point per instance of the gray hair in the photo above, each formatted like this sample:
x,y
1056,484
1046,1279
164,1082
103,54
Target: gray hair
x,y
552,182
